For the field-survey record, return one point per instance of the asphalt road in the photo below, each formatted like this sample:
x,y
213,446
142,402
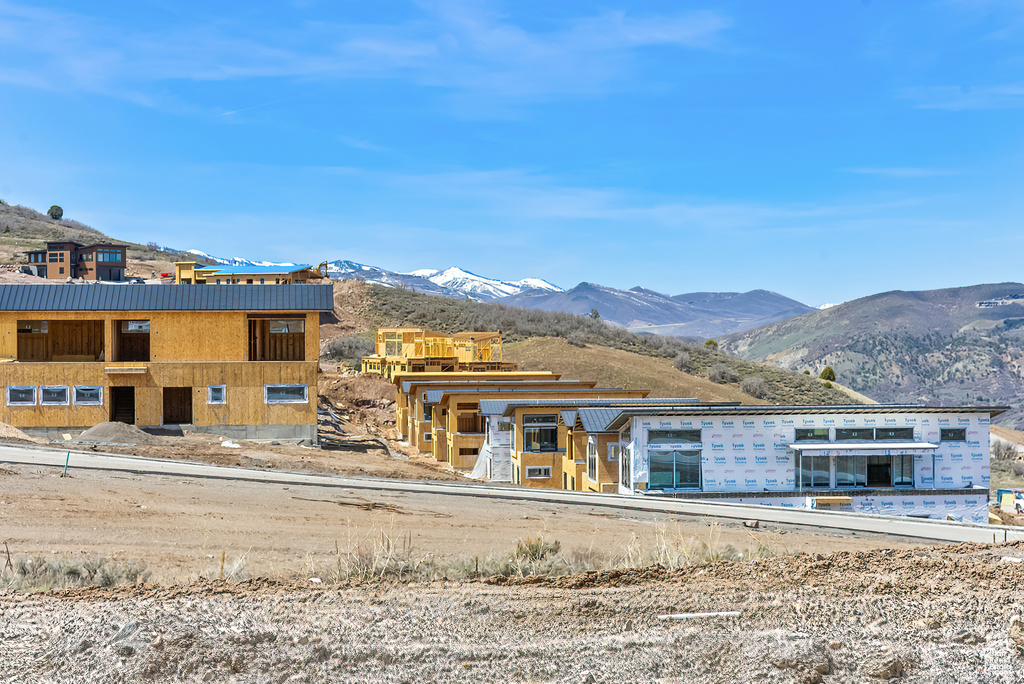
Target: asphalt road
x,y
890,525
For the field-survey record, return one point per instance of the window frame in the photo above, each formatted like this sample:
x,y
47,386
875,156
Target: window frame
x,y
537,469
76,402
267,399
592,474
943,431
223,394
35,395
801,435
67,395
670,435
617,450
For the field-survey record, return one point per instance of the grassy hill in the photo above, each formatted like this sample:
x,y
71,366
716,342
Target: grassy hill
x,y
22,228
936,347
583,348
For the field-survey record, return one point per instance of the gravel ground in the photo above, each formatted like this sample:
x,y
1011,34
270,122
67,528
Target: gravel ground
x,y
941,614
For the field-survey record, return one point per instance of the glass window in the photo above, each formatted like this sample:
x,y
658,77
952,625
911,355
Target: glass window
x,y
540,438
545,419
217,394
674,469
21,396
851,471
895,433
814,471
591,461
672,436
903,471
812,435
427,436
855,434
287,325
504,426
285,394
953,435
88,395
538,472
613,452
53,395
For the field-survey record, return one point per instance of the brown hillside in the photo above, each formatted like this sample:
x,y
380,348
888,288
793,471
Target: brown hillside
x,y
617,368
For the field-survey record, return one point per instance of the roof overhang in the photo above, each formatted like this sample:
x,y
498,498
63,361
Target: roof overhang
x,y
839,448
746,410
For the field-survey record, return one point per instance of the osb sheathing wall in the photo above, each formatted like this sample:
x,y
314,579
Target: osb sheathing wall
x,y
245,403
174,335
187,349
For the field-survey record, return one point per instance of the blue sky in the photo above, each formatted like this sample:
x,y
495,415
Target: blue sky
x,y
824,150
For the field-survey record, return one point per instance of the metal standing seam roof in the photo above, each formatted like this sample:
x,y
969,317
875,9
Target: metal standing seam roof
x,y
740,410
481,385
596,419
569,418
622,402
103,297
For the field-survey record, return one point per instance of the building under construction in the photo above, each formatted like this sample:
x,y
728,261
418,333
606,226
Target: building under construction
x,y
416,350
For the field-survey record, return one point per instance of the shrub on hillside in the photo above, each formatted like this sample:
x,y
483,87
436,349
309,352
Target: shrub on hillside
x,y
577,338
828,374
56,213
711,345
722,374
682,361
755,387
348,347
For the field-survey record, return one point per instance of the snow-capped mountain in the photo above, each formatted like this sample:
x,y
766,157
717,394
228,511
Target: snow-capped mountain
x,y
451,282
238,261
480,287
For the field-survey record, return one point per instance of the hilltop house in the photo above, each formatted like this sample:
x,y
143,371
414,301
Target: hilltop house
x,y
239,362
67,259
189,273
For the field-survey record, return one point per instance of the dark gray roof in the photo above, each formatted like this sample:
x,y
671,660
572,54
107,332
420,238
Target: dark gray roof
x,y
623,402
597,419
626,413
103,297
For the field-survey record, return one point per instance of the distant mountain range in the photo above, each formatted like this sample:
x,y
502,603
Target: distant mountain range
x,y
697,314
952,346
236,261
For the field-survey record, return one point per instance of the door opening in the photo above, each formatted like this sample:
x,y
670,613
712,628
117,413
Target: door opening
x,y
122,405
177,405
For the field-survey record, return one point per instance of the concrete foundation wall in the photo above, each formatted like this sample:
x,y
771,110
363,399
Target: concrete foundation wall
x,y
289,432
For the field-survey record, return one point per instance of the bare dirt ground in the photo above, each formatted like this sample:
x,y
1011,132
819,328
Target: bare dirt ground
x,y
179,527
944,614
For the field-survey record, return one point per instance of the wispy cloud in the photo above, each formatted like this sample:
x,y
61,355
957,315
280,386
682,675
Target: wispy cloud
x,y
461,47
361,144
954,98
903,171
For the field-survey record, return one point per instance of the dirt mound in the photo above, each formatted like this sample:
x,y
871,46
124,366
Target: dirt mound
x,y
9,432
119,433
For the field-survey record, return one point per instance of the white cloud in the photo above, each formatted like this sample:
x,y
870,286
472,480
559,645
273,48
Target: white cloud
x,y
455,46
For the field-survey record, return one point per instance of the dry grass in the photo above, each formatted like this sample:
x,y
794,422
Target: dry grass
x,y
617,368
41,574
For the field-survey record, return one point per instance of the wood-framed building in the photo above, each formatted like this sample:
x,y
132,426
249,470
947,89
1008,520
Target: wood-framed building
x,y
417,350
239,362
